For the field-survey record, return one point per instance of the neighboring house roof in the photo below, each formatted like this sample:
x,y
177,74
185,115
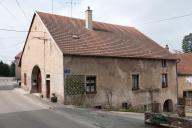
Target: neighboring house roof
x,y
106,40
18,56
184,66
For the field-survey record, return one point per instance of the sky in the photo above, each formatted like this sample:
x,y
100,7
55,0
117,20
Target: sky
x,y
145,15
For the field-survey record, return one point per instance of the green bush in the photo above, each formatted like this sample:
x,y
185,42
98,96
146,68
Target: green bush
x,y
159,119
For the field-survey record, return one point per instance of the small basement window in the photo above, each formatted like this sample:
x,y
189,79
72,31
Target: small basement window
x,y
135,82
164,81
47,75
90,84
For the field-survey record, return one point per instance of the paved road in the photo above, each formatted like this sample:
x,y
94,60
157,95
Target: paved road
x,y
19,110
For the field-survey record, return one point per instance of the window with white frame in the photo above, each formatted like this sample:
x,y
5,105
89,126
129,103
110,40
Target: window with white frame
x,y
90,84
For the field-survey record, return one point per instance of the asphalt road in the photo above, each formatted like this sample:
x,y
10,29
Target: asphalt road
x,y
19,110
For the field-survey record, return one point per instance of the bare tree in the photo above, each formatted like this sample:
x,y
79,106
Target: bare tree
x,y
109,95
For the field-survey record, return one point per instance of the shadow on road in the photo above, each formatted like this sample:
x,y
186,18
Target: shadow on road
x,y
42,118
8,87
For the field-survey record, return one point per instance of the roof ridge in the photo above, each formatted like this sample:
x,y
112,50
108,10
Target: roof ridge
x,y
75,18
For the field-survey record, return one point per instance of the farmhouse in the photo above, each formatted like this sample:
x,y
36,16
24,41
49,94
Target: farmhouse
x,y
98,64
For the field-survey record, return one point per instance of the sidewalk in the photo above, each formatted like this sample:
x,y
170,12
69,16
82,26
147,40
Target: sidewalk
x,y
59,106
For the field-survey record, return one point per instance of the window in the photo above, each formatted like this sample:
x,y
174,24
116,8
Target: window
x,y
47,75
90,84
164,63
187,94
164,81
25,79
135,82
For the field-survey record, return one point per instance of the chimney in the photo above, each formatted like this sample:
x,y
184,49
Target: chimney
x,y
167,47
88,19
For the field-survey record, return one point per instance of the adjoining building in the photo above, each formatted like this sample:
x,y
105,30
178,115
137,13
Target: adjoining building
x,y
185,76
99,64
17,67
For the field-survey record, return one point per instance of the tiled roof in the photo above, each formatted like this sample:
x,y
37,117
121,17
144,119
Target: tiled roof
x,y
185,65
104,40
18,56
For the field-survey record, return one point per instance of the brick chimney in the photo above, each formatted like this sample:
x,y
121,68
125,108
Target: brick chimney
x,y
88,19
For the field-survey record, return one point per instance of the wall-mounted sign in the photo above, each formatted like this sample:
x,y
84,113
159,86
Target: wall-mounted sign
x,y
67,71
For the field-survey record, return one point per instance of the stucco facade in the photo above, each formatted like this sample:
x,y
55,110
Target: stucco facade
x,y
41,50
46,63
116,74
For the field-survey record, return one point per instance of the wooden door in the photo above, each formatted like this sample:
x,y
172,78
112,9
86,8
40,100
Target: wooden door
x,y
47,88
39,82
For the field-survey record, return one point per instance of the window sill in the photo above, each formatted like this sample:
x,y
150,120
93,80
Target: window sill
x,y
91,92
135,89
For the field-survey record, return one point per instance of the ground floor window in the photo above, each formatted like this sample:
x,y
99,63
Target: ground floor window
x,y
187,94
90,84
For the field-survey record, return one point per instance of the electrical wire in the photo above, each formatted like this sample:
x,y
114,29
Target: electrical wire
x,y
11,30
8,10
25,15
168,19
14,30
10,37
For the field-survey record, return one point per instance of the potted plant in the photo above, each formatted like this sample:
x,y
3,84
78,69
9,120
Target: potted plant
x,y
53,98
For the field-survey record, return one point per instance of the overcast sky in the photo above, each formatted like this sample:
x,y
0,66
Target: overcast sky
x,y
141,14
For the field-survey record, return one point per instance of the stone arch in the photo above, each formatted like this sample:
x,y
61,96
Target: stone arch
x,y
36,80
168,106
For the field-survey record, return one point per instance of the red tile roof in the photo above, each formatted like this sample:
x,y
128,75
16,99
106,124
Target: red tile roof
x,y
104,40
184,67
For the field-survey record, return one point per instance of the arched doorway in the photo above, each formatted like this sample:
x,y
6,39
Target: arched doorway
x,y
168,106
36,80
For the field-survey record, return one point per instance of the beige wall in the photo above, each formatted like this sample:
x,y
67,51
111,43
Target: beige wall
x,y
47,56
116,74
17,69
184,84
